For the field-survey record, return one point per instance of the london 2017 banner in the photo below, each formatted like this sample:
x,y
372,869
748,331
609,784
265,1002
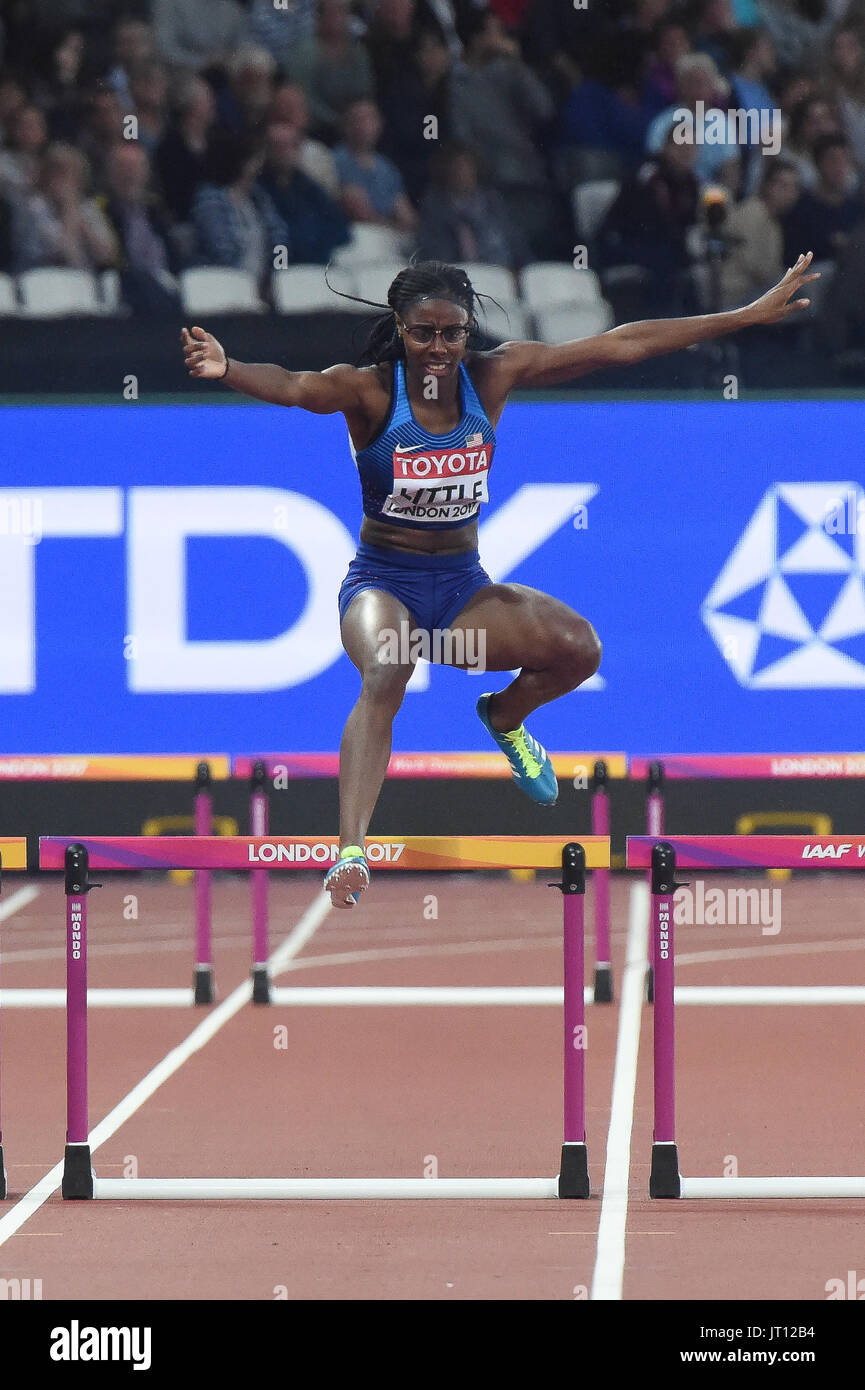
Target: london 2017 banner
x,y
169,575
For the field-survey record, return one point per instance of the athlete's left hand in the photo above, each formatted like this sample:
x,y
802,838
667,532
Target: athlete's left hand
x,y
777,304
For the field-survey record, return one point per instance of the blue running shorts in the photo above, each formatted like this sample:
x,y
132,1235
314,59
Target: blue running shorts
x,y
434,588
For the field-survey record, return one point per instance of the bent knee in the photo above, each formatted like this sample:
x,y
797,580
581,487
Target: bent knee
x,y
578,651
385,681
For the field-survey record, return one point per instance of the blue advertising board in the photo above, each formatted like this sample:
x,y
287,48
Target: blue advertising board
x,y
168,576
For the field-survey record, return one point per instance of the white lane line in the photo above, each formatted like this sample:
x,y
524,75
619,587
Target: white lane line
x,y
791,948
609,1269
25,1207
451,948
17,900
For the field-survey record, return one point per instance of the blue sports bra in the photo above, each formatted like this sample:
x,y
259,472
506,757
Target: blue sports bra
x,y
410,477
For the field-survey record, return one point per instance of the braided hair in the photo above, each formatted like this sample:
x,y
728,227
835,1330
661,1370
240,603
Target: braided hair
x,y
421,280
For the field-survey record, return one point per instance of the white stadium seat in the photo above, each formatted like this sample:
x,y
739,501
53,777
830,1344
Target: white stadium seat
x,y
301,289
109,292
370,245
8,296
494,280
591,202
558,284
506,324
566,325
373,281
219,290
52,291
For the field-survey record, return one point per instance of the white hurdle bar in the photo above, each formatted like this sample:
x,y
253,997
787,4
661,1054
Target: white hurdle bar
x,y
327,1189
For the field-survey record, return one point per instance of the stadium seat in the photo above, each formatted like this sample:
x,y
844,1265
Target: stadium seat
x,y
370,245
373,281
219,290
301,289
556,284
52,292
109,292
566,325
8,297
591,203
494,280
504,325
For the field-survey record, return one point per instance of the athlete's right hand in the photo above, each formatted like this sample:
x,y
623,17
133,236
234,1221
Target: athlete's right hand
x,y
204,354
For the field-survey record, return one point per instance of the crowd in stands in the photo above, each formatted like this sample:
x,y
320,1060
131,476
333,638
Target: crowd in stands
x,y
149,136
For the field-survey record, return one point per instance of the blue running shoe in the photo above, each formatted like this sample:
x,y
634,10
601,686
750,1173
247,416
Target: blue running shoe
x,y
531,765
348,877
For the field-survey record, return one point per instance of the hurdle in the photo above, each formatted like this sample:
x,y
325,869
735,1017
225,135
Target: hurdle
x,y
144,767
416,853
13,855
663,858
592,770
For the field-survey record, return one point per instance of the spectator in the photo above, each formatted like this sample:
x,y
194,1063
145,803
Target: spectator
x,y
753,65
180,154
501,109
235,220
20,162
648,225
316,226
281,30
101,127
755,259
460,220
798,28
196,36
132,42
371,187
606,113
845,77
148,84
810,121
333,69
823,218
58,225
413,96
390,40
316,160
12,98
700,81
60,85
242,106
562,42
714,31
141,226
752,59
660,86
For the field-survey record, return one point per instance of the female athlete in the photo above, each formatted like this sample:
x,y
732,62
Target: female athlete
x,y
421,421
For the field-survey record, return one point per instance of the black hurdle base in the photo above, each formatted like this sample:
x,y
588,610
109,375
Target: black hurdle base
x,y
664,1179
574,1172
77,1172
603,984
203,991
2,1175
650,985
260,985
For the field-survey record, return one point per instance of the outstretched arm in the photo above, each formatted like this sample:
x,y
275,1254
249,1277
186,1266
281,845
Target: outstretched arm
x,y
324,393
545,364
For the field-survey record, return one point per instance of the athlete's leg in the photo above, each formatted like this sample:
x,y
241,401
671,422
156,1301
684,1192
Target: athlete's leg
x,y
514,626
366,741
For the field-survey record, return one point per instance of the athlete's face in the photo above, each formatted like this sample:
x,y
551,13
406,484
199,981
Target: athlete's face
x,y
434,334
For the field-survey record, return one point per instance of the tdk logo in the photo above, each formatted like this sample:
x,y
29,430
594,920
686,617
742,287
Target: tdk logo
x,y
158,523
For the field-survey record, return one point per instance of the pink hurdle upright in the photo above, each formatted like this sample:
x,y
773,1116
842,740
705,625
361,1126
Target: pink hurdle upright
x,y
203,989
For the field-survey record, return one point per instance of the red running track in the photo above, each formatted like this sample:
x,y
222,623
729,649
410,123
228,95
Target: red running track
x,y
378,1091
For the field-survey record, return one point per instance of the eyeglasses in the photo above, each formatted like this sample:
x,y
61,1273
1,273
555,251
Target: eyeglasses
x,y
423,334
